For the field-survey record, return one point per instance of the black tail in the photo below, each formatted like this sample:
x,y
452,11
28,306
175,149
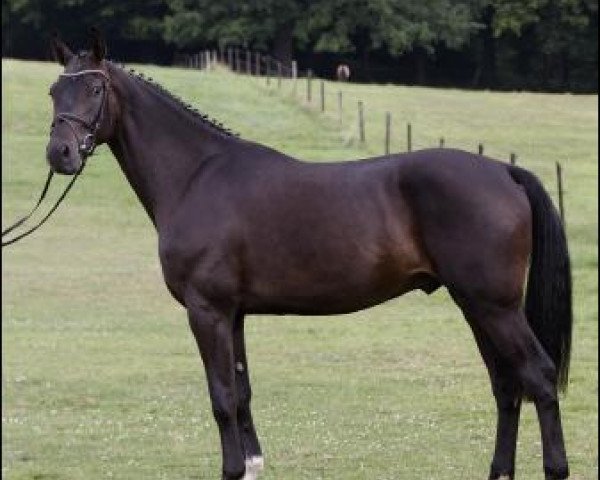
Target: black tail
x,y
548,302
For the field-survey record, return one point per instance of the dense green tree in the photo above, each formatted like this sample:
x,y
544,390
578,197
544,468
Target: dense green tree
x,y
499,43
531,41
265,24
393,25
327,25
27,24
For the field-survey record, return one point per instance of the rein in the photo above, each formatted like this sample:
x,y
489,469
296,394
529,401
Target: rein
x,y
86,148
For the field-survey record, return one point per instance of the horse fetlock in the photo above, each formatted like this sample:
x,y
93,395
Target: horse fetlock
x,y
501,474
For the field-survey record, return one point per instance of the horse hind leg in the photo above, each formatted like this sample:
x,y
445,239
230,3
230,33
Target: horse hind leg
x,y
508,331
507,393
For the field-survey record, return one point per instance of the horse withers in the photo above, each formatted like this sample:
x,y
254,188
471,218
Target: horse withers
x,y
244,229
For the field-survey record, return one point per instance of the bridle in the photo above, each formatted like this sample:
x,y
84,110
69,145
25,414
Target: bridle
x,y
86,147
88,144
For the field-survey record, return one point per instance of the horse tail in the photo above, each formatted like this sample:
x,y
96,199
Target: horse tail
x,y
548,303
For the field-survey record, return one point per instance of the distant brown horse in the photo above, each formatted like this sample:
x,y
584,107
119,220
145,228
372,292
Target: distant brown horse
x,y
244,229
342,72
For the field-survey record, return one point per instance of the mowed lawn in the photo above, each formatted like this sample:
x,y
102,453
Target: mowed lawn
x,y
101,377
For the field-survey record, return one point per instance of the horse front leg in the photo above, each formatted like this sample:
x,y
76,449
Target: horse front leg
x,y
250,443
213,330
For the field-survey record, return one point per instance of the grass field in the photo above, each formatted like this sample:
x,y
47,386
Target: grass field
x,y
101,377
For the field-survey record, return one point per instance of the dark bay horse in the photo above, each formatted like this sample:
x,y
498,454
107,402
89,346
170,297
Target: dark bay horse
x,y
244,229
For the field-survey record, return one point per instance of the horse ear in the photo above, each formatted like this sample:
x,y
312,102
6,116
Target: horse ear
x,y
62,54
98,44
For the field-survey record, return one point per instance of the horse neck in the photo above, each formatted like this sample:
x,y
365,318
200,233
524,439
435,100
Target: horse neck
x,y
158,144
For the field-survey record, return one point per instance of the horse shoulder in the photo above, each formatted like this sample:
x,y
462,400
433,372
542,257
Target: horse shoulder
x,y
197,247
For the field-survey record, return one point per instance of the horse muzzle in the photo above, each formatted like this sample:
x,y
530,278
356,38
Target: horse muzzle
x,y
64,157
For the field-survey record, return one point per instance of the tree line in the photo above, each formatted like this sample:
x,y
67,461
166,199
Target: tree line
x,y
549,45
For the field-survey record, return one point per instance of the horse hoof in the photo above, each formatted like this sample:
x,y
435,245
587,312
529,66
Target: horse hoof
x,y
249,475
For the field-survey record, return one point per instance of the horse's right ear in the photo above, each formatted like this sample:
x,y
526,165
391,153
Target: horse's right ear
x,y
62,54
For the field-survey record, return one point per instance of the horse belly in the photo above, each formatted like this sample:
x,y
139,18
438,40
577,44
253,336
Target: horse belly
x,y
339,277
336,297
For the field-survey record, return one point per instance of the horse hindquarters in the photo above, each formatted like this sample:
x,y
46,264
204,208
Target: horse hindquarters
x,y
478,227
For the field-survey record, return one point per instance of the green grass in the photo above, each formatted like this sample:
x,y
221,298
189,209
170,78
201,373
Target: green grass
x,y
101,377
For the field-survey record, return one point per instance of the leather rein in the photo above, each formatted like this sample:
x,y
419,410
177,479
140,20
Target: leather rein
x,y
86,147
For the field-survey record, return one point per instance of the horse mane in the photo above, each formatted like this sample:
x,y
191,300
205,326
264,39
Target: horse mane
x,y
203,118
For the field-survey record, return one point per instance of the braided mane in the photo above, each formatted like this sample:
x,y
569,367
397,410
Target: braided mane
x,y
205,119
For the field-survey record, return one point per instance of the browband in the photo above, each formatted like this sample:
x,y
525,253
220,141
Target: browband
x,y
83,72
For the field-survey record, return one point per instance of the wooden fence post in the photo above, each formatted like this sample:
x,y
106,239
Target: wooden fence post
x,y
268,67
294,75
322,96
308,88
480,149
388,124
361,122
339,95
513,159
279,74
441,142
560,192
409,138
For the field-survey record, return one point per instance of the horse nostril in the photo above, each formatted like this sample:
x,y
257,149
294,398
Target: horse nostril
x,y
65,151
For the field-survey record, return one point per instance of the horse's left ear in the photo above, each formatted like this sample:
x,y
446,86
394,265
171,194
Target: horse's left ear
x,y
98,44
61,53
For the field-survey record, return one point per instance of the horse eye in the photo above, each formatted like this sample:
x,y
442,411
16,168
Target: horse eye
x,y
97,90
